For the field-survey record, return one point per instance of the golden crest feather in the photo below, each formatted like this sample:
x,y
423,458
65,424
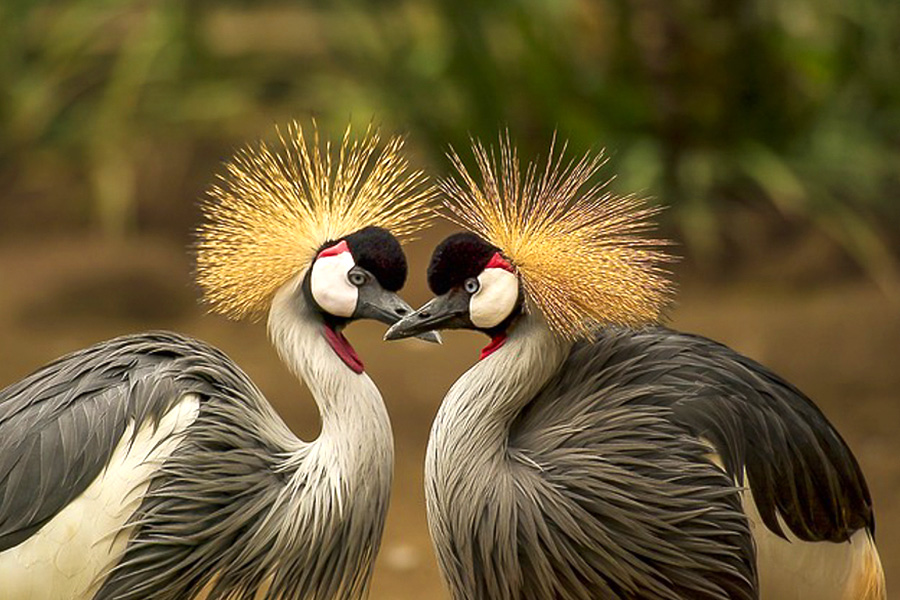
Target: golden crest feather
x,y
580,251
272,210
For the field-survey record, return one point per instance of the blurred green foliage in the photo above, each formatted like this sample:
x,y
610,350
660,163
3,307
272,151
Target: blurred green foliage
x,y
114,114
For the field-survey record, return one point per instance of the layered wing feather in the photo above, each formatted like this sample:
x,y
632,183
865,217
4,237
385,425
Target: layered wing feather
x,y
622,435
628,507
799,468
60,425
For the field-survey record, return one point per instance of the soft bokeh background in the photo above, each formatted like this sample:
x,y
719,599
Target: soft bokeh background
x,y
770,130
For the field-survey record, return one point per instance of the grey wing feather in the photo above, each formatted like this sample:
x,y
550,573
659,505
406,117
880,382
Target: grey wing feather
x,y
674,390
627,506
213,516
207,517
60,425
798,465
206,509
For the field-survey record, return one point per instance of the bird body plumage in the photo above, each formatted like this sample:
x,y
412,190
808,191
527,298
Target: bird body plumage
x,y
216,495
595,477
239,501
591,452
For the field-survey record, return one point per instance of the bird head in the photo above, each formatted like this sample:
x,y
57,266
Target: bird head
x,y
358,277
476,287
305,219
545,242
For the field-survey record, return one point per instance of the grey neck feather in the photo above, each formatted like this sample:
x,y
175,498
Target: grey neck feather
x,y
356,430
477,412
473,422
255,506
470,435
340,483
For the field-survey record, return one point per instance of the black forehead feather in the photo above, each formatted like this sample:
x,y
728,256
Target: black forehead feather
x,y
460,256
377,251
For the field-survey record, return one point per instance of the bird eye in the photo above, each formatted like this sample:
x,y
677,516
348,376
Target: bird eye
x,y
471,285
357,278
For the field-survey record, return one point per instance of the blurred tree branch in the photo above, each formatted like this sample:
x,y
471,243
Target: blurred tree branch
x,y
115,111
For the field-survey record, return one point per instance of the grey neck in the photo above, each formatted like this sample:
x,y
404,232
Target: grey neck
x,y
467,463
356,444
323,527
476,415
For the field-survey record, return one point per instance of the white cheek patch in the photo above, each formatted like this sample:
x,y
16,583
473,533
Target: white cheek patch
x,y
495,299
330,286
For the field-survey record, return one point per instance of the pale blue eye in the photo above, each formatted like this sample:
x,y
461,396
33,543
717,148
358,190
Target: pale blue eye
x,y
471,285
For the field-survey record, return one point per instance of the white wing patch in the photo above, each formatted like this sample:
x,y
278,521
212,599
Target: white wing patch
x,y
68,557
330,286
495,299
794,569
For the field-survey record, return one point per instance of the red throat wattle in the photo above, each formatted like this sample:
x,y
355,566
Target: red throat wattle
x,y
496,342
343,349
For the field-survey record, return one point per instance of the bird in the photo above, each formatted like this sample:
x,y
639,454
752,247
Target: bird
x,y
151,466
594,452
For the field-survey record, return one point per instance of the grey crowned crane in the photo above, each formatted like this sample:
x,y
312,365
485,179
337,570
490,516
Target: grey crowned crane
x,y
592,452
151,466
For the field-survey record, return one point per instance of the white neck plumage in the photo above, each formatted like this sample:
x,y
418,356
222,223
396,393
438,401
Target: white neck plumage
x,y
353,456
475,417
471,435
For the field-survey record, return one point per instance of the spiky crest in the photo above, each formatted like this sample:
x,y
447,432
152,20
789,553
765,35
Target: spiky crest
x,y
272,210
579,249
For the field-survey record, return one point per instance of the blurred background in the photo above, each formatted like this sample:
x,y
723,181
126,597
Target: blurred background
x,y
769,129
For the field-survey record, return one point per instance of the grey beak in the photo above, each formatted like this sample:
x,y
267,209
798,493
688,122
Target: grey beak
x,y
430,336
449,311
387,307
